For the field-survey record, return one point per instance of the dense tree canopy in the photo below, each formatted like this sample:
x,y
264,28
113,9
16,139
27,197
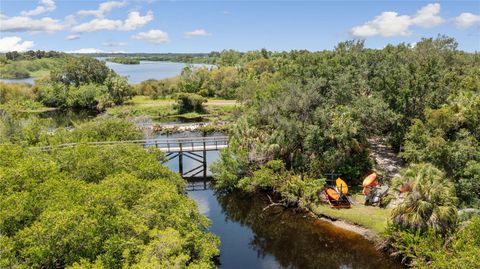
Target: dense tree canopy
x,y
97,207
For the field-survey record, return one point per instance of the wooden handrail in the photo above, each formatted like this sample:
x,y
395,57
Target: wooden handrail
x,y
156,142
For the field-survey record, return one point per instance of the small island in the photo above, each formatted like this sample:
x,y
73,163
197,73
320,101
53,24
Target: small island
x,y
123,60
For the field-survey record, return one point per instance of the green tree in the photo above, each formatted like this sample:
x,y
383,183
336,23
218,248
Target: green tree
x,y
81,70
118,88
429,200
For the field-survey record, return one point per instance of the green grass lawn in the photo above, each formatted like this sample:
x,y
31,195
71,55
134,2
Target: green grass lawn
x,y
165,108
370,217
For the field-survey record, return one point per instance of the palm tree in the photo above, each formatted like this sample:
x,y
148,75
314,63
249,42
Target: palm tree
x,y
428,199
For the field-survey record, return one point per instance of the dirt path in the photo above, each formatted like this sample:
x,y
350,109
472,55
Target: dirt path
x,y
386,160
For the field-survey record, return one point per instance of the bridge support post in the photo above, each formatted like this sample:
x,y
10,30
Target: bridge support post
x,y
204,161
180,163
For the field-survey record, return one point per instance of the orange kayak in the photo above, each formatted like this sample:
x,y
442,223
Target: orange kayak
x,y
365,191
370,180
332,193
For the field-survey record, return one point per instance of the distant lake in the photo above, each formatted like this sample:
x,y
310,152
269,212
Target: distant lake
x,y
136,73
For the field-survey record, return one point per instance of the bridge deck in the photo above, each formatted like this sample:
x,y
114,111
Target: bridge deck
x,y
171,145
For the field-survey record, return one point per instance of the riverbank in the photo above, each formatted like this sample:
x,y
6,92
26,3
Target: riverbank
x,y
367,221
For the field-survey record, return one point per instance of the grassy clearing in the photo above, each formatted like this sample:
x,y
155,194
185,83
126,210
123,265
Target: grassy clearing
x,y
165,108
36,68
370,217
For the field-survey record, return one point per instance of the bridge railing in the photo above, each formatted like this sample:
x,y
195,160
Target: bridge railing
x,y
168,145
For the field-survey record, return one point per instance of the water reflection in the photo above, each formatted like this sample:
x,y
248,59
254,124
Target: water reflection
x,y
67,118
277,238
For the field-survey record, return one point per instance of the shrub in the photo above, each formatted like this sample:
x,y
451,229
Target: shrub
x,y
86,96
190,102
15,92
157,88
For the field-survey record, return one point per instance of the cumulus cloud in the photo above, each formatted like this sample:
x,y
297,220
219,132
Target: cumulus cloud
x,y
27,24
93,50
44,6
428,16
86,50
72,37
13,43
390,23
98,25
466,20
103,9
70,20
153,36
133,21
386,24
194,33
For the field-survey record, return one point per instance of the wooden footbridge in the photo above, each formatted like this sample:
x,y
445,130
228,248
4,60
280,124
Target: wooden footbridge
x,y
194,148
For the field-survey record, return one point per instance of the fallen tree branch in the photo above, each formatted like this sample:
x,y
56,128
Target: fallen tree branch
x,y
272,204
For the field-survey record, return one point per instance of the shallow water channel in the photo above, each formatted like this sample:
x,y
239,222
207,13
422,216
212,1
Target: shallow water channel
x,y
276,238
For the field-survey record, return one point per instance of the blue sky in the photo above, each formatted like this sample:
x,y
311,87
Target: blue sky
x,y
204,26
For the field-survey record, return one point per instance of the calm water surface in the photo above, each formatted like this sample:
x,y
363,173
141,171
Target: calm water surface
x,y
137,73
278,238
18,80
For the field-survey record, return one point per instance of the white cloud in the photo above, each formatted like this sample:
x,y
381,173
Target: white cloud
x,y
94,50
103,9
27,24
386,24
72,37
428,16
114,43
13,43
194,33
133,21
98,25
153,36
86,50
390,23
44,6
70,20
466,20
